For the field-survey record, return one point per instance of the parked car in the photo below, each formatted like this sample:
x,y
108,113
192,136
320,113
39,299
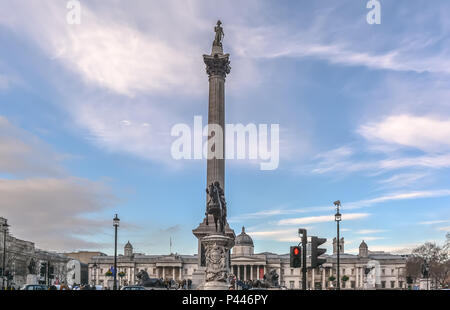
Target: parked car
x,y
35,287
133,288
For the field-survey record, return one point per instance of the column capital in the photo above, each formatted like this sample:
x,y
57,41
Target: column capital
x,y
217,64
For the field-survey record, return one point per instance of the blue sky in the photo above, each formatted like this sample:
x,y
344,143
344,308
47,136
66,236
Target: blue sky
x,y
86,112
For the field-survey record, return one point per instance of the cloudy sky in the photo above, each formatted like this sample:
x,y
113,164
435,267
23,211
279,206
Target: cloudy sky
x,y
86,113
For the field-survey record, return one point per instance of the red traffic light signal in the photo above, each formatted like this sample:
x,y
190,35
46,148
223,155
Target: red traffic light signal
x,y
296,256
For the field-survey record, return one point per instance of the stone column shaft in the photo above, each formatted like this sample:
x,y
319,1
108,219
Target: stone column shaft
x,y
216,116
323,279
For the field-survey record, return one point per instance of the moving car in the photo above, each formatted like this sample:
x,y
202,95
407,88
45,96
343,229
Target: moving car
x,y
35,287
133,288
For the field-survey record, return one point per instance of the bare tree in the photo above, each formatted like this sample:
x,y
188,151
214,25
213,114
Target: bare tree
x,y
437,259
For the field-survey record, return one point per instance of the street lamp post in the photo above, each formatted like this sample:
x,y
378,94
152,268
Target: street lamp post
x,y
116,221
5,230
338,218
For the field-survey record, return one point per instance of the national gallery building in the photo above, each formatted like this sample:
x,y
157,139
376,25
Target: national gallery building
x,y
367,270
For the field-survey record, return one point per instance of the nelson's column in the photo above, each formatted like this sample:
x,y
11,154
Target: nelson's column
x,y
215,237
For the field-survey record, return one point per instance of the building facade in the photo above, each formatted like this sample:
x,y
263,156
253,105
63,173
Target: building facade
x,y
367,270
24,262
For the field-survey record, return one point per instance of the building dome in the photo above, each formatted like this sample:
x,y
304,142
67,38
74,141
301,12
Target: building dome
x,y
363,249
243,239
128,249
363,245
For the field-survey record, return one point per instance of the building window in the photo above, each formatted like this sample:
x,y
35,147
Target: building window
x,y
383,284
400,284
353,271
353,284
291,285
383,271
292,272
343,284
392,271
185,271
392,284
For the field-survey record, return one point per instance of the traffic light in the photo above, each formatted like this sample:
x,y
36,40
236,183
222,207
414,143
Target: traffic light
x,y
51,271
296,257
316,251
43,269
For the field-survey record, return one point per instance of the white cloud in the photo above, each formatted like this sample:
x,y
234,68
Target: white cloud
x,y
321,219
104,50
52,212
280,235
370,231
403,179
48,206
428,134
447,228
277,41
372,238
434,222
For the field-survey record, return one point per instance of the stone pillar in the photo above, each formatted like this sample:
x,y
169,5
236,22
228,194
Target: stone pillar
x,y
357,278
217,67
324,283
313,284
245,272
397,276
163,272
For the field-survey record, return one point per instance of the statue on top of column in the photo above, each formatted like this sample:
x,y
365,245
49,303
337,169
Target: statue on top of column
x,y
219,34
216,206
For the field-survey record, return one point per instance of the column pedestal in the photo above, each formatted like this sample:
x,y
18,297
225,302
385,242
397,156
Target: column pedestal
x,y
217,262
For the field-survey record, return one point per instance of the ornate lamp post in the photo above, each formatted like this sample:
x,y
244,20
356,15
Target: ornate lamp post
x,y
5,230
338,218
116,222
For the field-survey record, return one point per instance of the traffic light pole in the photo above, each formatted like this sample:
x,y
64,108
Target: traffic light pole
x,y
304,242
4,255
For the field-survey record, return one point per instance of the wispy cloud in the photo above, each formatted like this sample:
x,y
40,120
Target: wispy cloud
x,y
321,219
434,222
42,201
370,231
352,205
428,134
